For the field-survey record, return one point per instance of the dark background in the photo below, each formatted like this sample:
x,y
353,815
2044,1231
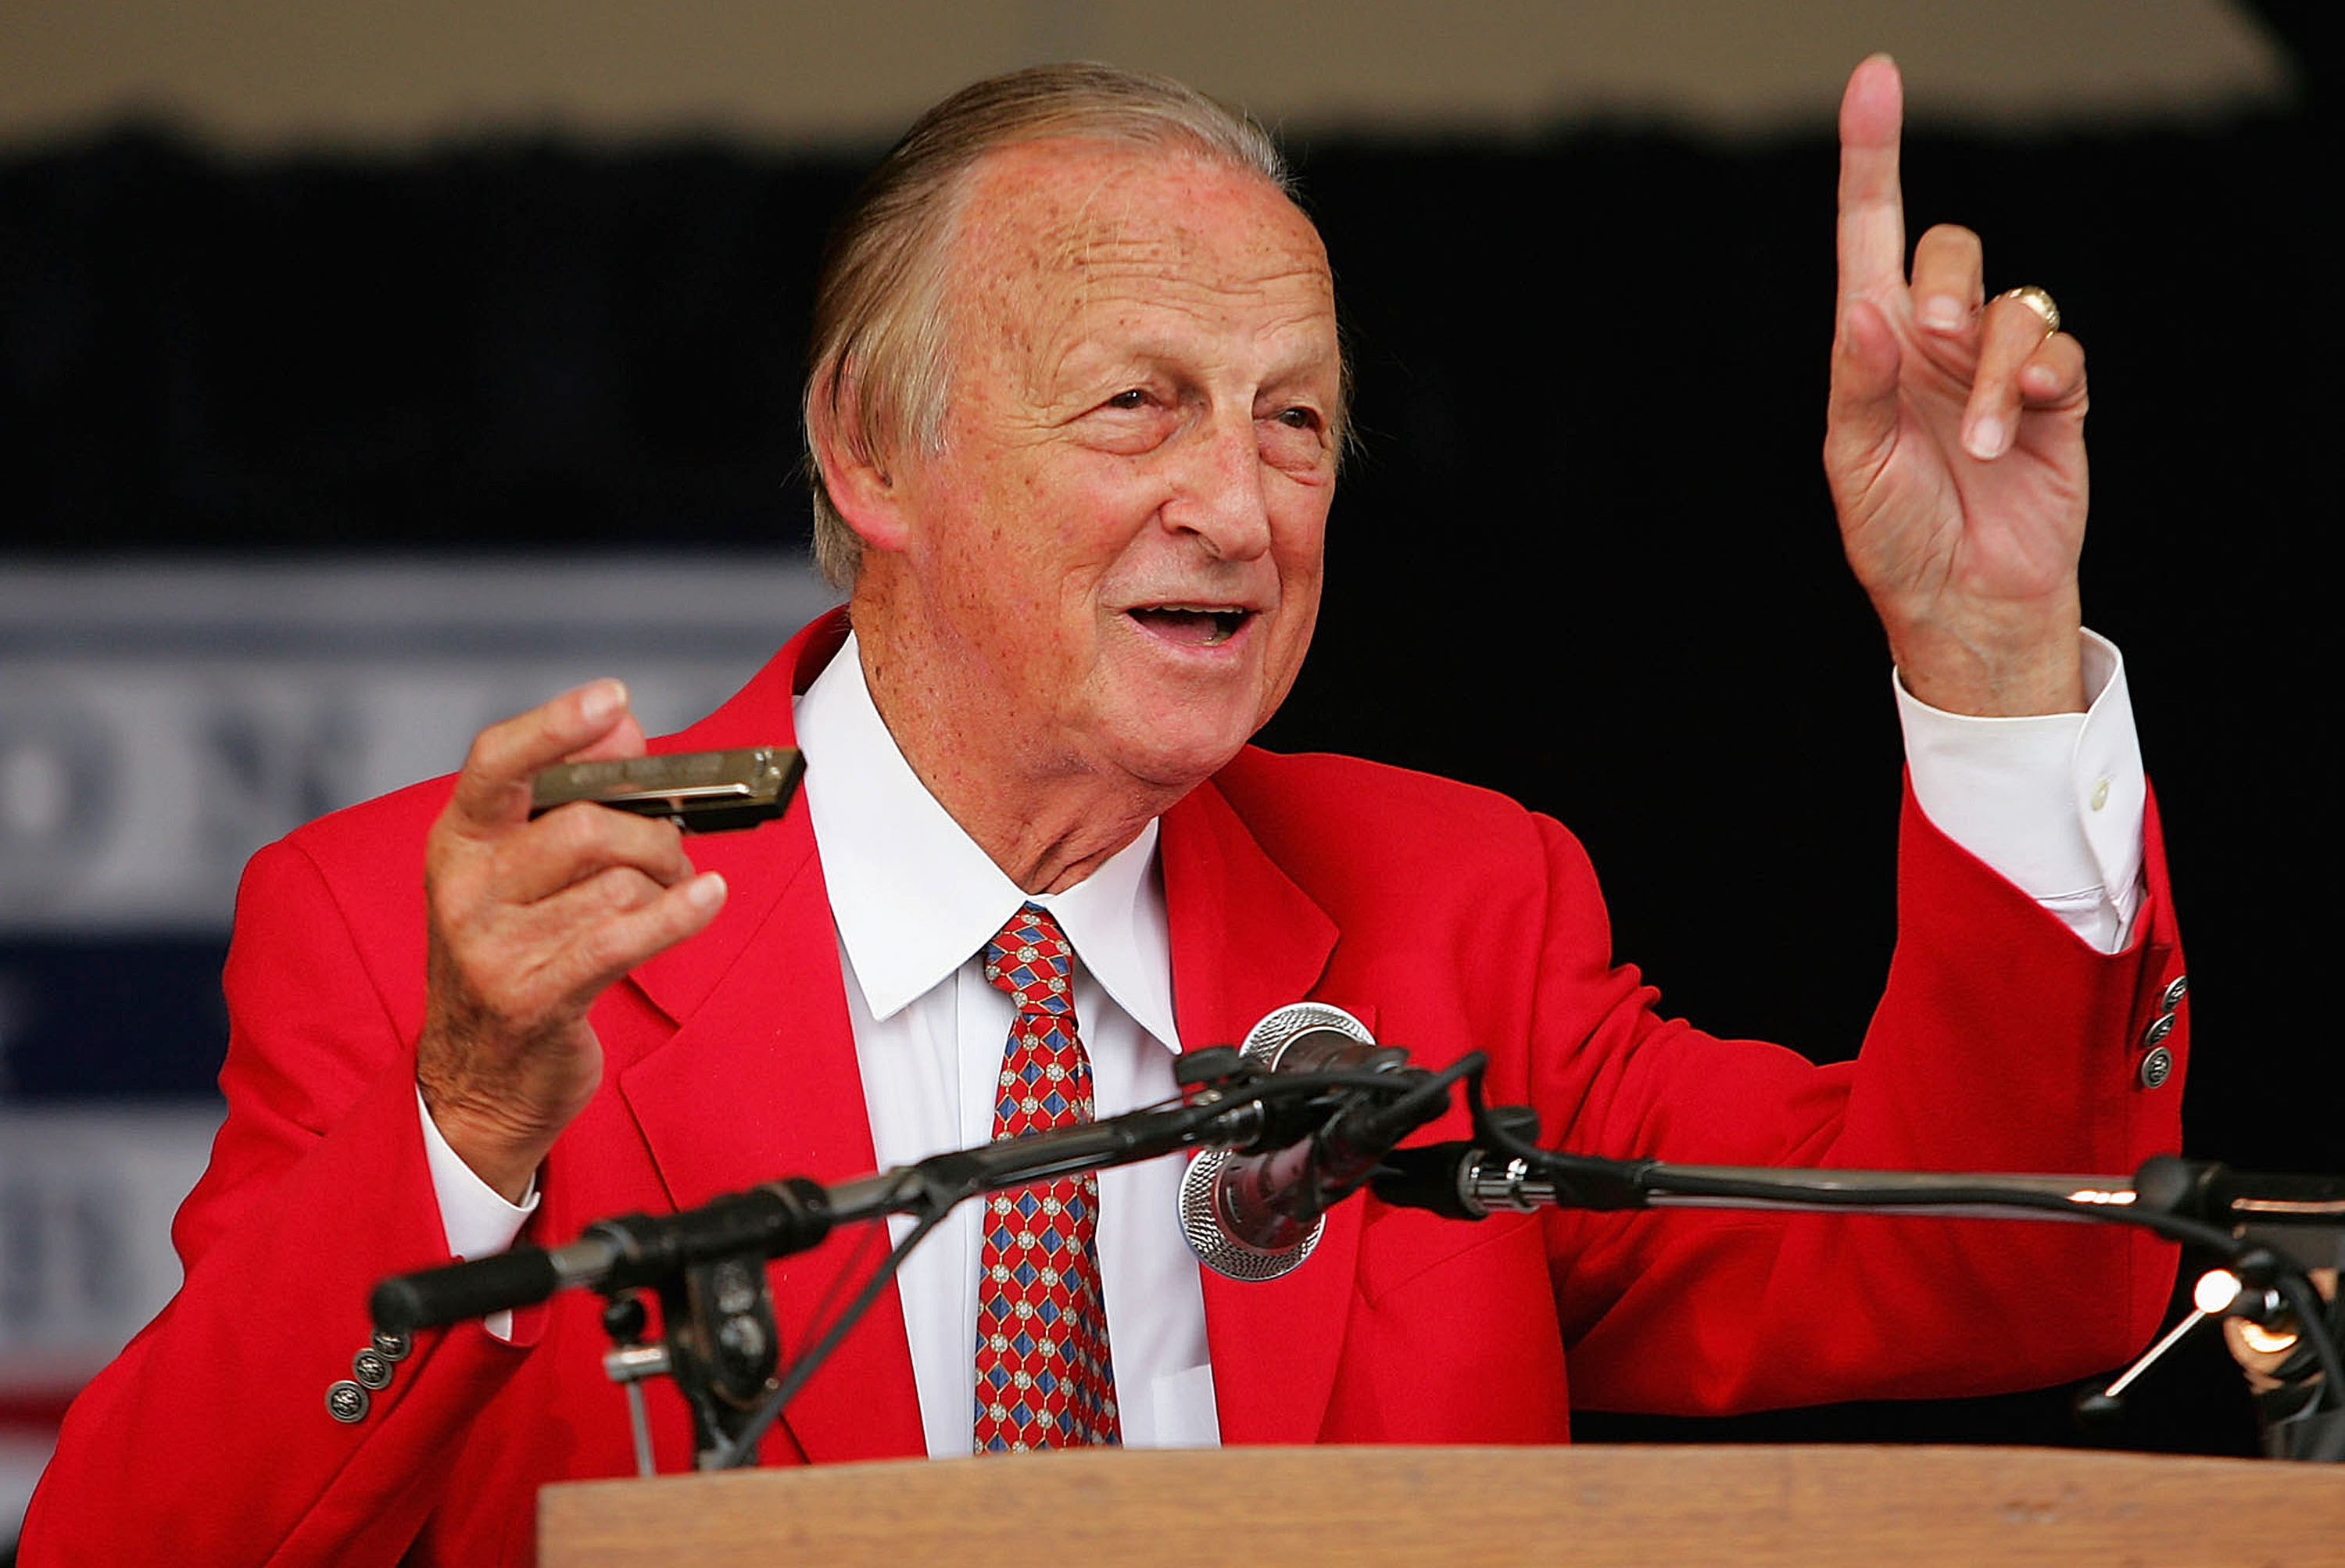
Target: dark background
x,y
1585,555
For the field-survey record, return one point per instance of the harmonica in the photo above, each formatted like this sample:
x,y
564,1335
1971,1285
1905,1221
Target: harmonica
x,y
699,791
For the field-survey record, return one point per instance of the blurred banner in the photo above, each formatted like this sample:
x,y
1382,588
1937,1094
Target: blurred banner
x,y
86,1196
158,722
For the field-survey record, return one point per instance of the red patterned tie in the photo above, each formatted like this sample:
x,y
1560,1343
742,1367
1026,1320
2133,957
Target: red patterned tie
x,y
1043,1376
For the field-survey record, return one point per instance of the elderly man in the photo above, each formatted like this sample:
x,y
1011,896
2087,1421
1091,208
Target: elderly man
x,y
1076,411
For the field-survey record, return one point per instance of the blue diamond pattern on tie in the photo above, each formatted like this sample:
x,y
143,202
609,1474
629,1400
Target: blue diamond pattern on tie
x,y
1044,1378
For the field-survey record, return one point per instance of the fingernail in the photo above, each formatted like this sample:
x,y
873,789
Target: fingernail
x,y
1943,312
1986,439
706,890
601,700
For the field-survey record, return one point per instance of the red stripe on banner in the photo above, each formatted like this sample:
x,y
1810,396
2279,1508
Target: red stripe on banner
x,y
42,1407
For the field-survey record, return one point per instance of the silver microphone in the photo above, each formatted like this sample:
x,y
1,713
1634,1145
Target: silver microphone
x,y
1257,1216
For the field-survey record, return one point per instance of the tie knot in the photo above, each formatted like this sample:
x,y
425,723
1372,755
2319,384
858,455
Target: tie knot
x,y
1030,959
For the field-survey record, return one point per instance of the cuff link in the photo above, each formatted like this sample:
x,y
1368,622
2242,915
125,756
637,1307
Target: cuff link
x,y
347,1402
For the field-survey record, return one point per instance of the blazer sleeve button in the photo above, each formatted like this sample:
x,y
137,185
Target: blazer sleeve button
x,y
347,1402
371,1369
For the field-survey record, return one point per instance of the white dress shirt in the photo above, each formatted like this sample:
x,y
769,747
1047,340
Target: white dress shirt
x,y
2053,803
915,902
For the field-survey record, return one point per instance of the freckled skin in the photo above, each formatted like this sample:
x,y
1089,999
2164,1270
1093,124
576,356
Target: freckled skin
x,y
1145,391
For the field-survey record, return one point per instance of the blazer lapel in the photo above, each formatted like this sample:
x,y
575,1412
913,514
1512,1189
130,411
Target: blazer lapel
x,y
760,1080
1245,940
757,864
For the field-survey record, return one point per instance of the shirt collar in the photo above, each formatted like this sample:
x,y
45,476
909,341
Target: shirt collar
x,y
913,895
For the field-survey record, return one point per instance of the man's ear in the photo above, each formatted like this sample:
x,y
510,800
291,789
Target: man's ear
x,y
854,473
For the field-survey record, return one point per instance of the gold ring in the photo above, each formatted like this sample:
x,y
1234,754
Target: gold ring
x,y
2038,300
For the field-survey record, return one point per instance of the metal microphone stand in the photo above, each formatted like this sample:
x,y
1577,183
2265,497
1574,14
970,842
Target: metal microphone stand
x,y
707,1265
2270,1231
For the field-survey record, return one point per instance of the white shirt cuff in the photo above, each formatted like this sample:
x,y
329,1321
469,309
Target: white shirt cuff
x,y
475,1216
2053,802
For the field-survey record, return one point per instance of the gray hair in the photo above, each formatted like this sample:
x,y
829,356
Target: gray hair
x,y
881,324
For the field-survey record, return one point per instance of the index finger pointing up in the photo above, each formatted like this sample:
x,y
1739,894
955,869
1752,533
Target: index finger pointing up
x,y
1872,207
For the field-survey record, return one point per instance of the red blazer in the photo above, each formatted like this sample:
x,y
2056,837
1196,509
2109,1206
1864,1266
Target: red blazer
x,y
1446,916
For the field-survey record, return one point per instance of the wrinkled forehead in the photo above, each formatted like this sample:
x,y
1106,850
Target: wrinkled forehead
x,y
1048,227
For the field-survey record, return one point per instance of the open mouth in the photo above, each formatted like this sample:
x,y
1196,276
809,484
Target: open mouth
x,y
1200,626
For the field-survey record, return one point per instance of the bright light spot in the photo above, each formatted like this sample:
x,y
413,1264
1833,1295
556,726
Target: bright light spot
x,y
2263,1340
2102,1195
2215,1290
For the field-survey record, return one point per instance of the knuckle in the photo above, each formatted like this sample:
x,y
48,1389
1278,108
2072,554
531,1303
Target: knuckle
x,y
486,757
622,889
657,848
578,834
569,830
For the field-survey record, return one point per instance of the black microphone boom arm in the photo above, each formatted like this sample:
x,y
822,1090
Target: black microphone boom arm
x,y
2269,1229
774,1219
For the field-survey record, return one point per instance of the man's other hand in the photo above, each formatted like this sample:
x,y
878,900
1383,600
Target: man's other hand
x,y
529,923
1955,444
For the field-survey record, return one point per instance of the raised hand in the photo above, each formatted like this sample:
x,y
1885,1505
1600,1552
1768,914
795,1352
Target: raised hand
x,y
1955,444
529,923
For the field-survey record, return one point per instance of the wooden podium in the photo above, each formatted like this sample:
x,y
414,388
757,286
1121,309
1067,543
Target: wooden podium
x,y
1588,1507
